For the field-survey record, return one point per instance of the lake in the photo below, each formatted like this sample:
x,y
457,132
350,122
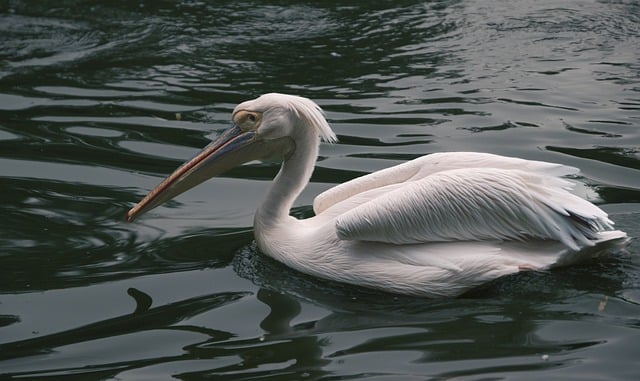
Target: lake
x,y
100,100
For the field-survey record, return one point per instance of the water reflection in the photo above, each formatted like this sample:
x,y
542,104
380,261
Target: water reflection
x,y
436,337
311,327
144,319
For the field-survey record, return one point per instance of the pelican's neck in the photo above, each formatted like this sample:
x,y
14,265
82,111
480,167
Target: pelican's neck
x,y
293,176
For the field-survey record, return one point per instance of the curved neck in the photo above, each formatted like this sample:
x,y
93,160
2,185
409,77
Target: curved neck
x,y
293,176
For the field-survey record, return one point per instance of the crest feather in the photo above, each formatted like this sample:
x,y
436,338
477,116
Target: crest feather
x,y
307,109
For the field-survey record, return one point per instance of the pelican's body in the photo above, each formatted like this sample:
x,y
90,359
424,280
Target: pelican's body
x,y
435,226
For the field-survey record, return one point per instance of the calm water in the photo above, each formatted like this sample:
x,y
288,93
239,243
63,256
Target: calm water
x,y
99,100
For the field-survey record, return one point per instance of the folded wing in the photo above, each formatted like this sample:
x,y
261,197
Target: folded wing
x,y
472,203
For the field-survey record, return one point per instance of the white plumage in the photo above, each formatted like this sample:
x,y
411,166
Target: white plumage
x,y
435,226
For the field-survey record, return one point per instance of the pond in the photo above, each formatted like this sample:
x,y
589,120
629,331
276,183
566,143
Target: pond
x,y
100,100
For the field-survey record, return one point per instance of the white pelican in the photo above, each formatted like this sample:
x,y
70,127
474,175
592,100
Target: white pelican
x,y
435,226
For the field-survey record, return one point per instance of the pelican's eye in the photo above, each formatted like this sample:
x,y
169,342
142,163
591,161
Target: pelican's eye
x,y
247,120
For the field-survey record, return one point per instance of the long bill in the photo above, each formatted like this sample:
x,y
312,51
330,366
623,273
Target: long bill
x,y
232,148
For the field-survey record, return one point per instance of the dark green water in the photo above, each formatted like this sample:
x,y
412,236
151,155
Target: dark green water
x,y
99,100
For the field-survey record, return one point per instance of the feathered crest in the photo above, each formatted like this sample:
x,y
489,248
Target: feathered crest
x,y
304,108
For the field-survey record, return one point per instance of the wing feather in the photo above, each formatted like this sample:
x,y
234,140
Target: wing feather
x,y
476,204
428,165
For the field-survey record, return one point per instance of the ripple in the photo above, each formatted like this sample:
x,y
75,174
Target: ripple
x,y
5,135
628,158
509,124
92,131
93,93
18,102
162,150
592,132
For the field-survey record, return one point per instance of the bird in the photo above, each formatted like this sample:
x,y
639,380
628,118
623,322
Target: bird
x,y
436,226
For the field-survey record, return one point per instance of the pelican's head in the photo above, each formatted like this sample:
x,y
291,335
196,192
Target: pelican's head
x,y
267,127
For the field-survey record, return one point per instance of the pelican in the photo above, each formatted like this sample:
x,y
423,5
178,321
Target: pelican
x,y
436,226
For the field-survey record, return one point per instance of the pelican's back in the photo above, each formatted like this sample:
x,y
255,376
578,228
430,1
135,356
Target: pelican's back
x,y
429,164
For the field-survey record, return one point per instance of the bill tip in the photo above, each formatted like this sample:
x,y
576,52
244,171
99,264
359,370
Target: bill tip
x,y
129,217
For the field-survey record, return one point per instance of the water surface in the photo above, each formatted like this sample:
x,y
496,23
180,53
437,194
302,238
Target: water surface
x,y
100,100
